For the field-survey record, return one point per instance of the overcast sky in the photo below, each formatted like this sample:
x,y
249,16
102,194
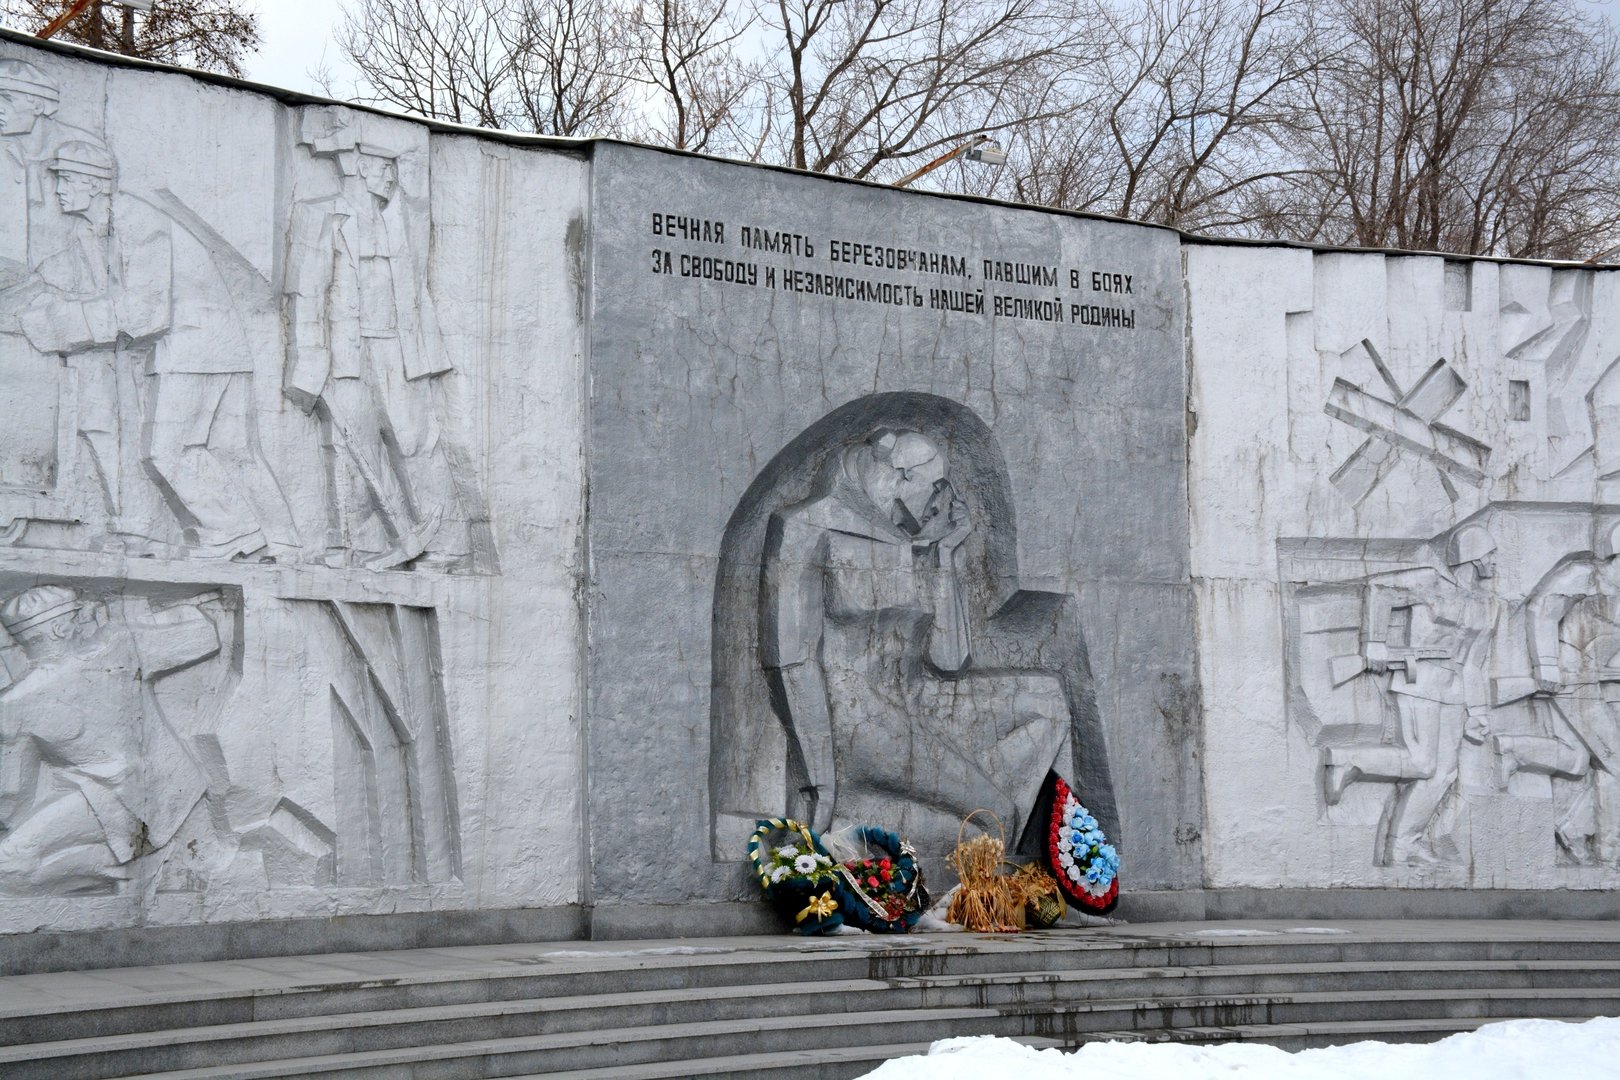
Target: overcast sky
x,y
298,40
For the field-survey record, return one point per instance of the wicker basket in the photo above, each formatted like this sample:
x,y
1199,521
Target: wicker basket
x,y
986,901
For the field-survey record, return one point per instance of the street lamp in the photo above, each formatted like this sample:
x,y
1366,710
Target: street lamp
x,y
129,6
980,148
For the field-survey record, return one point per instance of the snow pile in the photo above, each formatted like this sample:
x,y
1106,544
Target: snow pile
x,y
1514,1050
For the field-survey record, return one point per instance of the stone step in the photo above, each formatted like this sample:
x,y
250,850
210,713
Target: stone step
x,y
633,1049
1309,1036
122,1000
524,1030
577,1011
847,1063
832,1063
765,1006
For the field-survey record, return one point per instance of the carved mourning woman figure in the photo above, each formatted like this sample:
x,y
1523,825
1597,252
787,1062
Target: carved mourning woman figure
x,y
866,631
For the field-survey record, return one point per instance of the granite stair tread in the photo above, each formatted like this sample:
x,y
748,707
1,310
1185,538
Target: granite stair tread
x,y
914,1018
1349,1031
790,1064
766,1006
126,987
486,1047
1158,990
838,990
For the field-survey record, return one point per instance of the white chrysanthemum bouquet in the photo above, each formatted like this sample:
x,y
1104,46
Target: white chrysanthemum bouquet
x,y
792,867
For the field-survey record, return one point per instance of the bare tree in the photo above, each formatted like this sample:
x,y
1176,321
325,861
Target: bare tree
x,y
214,35
1180,123
440,60
572,65
865,88
686,52
1461,125
555,67
1475,126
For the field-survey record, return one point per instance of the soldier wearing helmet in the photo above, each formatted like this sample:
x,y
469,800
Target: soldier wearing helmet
x,y
1429,629
162,349
30,134
91,777
1573,620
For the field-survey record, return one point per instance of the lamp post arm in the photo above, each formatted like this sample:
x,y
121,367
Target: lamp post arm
x,y
63,19
942,159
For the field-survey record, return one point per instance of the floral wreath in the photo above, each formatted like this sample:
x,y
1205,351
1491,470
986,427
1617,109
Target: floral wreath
x,y
885,894
1083,861
792,868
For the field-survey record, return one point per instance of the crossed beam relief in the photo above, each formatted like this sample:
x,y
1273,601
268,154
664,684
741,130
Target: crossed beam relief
x,y
1410,423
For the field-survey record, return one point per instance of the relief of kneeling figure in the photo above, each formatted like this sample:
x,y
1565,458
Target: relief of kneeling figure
x,y
866,630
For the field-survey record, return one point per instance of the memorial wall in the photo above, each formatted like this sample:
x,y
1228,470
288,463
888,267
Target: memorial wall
x,y
887,520
290,493
403,522
1405,503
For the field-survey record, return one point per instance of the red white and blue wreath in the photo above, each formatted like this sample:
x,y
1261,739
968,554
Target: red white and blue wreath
x,y
1083,861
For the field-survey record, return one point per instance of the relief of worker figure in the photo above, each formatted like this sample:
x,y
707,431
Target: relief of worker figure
x,y
866,629
164,368
366,360
1430,630
91,776
37,436
1573,620
29,136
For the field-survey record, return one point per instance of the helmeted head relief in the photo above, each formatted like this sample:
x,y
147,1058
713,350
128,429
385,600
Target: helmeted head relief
x,y
83,159
1469,544
21,77
25,94
84,173
36,607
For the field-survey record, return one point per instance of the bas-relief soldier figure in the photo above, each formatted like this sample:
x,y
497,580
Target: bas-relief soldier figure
x,y
91,776
364,358
864,624
35,446
1573,622
1430,629
30,227
138,305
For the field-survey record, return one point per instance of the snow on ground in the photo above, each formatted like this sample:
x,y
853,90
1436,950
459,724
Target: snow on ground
x,y
1513,1050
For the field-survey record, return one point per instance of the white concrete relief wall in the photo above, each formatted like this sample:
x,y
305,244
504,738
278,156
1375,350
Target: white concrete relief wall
x,y
290,505
1404,504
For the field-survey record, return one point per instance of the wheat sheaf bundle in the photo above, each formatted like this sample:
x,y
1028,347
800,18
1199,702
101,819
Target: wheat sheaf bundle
x,y
986,901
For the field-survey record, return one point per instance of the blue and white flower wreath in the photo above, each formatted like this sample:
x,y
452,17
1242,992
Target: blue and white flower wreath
x,y
1085,863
